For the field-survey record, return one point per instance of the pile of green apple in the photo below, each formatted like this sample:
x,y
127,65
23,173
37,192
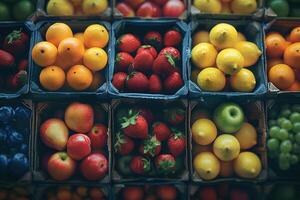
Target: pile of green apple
x,y
284,135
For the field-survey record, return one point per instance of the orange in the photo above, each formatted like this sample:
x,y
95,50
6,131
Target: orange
x,y
52,78
70,52
275,45
44,54
80,37
294,87
58,32
292,55
79,77
273,61
295,35
96,35
95,59
98,80
282,76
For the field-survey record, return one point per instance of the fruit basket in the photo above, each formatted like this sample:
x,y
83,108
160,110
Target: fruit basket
x,y
280,190
16,191
73,191
224,11
282,30
282,10
282,139
17,10
171,190
15,71
64,90
137,9
139,28
91,148
160,152
74,9
16,155
254,33
211,144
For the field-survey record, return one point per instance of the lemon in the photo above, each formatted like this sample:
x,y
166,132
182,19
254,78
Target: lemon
x,y
241,37
204,131
206,165
247,165
226,8
223,36
208,6
250,52
60,8
226,147
200,148
230,61
194,75
247,136
211,79
200,37
243,81
94,7
243,6
204,55
226,169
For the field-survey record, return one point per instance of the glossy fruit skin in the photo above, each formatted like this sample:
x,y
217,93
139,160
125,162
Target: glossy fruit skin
x,y
139,165
128,43
173,82
119,80
18,165
172,38
6,59
44,54
126,10
143,62
123,61
165,164
16,42
161,131
98,136
137,82
155,84
149,49
123,145
78,146
176,144
94,166
137,130
173,8
154,39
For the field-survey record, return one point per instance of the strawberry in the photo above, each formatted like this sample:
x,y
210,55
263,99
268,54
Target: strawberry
x,y
123,61
119,80
143,62
172,38
149,9
123,145
135,125
161,131
140,165
133,193
164,65
125,9
166,192
23,65
16,42
150,147
155,85
137,82
147,114
174,116
175,53
149,49
6,60
176,143
154,39
165,164
128,43
173,82
17,80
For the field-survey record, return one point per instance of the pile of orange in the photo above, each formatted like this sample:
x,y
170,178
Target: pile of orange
x,y
70,60
283,54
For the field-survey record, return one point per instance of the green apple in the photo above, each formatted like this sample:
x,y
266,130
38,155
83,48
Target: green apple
x,y
229,117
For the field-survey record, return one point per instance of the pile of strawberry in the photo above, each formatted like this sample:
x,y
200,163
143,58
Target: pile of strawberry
x,y
150,143
13,60
153,66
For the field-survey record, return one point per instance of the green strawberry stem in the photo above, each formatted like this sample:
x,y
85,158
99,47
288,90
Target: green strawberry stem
x,y
130,120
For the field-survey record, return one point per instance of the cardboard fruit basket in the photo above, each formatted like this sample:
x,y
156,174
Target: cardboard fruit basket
x,y
140,27
27,177
156,107
47,110
254,33
255,114
283,27
42,14
257,15
6,28
77,26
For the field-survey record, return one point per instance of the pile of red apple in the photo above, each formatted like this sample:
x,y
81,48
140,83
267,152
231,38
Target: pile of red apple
x,y
151,8
78,140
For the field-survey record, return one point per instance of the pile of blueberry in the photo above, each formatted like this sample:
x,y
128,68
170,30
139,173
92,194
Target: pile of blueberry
x,y
14,141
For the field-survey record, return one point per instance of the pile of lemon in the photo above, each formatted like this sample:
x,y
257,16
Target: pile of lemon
x,y
223,54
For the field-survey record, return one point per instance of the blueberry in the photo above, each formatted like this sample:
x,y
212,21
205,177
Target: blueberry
x,y
15,139
18,165
3,164
3,136
24,148
22,113
6,114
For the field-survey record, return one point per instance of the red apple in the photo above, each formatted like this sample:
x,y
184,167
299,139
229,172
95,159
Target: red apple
x,y
98,136
94,167
78,146
134,3
173,8
54,134
126,10
79,117
149,9
61,166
